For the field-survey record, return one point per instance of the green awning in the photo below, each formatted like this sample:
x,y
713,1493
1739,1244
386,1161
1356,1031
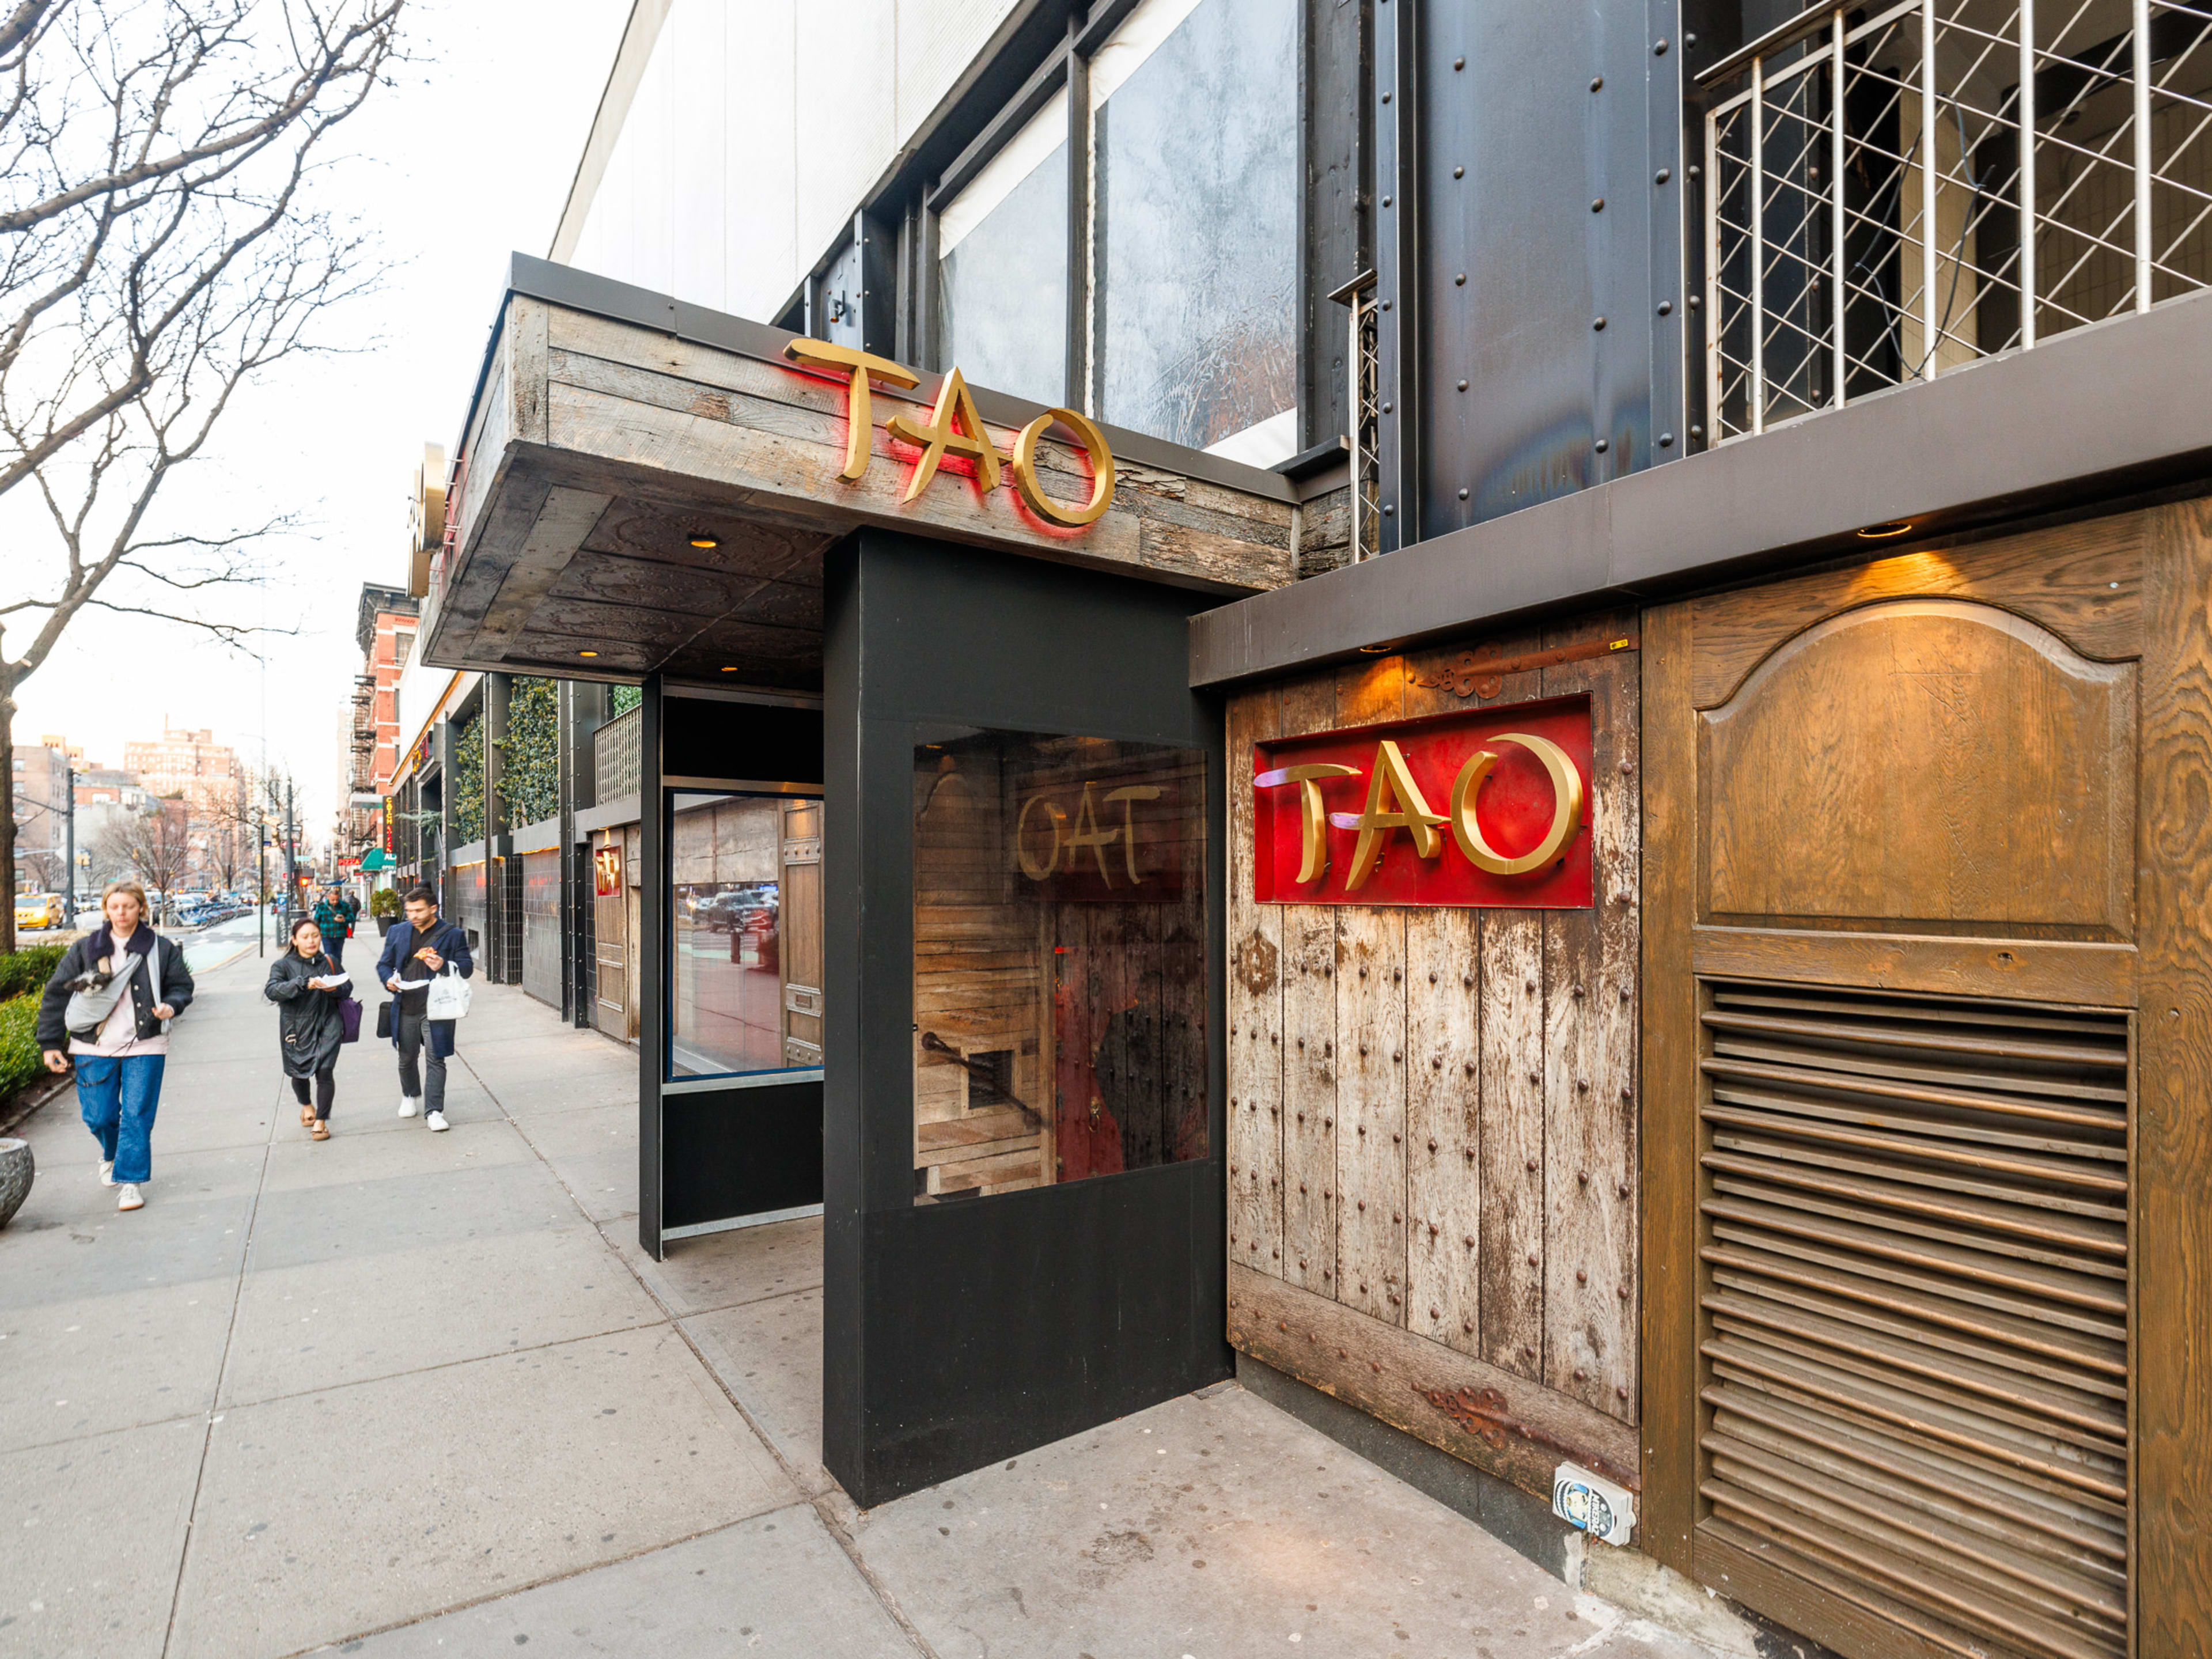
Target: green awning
x,y
374,859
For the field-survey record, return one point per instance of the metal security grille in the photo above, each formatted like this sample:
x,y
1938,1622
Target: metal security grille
x,y
1914,1294
1364,366
1868,184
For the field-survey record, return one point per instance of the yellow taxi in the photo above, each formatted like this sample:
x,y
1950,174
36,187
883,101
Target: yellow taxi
x,y
38,910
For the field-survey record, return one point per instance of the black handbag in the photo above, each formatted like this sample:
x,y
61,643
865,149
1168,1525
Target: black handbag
x,y
384,1020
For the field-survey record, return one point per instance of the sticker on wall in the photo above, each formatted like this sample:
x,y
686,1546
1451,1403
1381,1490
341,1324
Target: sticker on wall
x,y
1593,1503
1490,808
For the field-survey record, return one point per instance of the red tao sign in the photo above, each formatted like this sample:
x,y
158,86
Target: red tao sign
x,y
1487,809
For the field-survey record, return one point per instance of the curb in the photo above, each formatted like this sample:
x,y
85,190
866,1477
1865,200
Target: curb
x,y
26,1109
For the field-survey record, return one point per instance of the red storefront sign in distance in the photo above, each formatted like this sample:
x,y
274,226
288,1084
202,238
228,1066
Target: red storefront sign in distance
x,y
1487,809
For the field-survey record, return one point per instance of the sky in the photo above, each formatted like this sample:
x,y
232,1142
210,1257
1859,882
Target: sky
x,y
468,156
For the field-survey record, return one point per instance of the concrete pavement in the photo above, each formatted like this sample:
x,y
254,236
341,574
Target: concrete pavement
x,y
400,1394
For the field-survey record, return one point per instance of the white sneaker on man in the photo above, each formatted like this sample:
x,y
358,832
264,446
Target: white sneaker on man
x,y
128,1198
437,1122
107,1172
409,1105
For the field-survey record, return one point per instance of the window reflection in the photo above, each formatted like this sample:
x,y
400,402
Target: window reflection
x,y
1002,272
1195,225
1060,960
745,934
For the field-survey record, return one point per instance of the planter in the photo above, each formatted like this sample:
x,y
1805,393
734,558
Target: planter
x,y
384,924
16,1170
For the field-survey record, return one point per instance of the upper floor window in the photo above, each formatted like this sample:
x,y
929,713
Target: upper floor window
x,y
1194,186
1002,264
1185,252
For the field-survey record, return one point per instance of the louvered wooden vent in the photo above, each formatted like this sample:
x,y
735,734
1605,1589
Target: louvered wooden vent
x,y
1916,1303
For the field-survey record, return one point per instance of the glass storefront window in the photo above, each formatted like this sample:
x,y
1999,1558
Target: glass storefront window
x,y
1194,225
1002,265
745,933
1060,960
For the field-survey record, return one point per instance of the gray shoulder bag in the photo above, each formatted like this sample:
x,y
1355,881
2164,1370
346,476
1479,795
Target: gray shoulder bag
x,y
93,998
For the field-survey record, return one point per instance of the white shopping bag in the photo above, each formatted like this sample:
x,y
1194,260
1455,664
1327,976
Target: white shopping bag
x,y
448,996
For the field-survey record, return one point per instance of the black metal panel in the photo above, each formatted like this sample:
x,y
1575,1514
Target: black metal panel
x,y
651,989
1961,455
707,738
1332,217
1536,287
740,1152
957,1334
1397,272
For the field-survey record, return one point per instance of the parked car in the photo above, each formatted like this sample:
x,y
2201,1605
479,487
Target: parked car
x,y
40,910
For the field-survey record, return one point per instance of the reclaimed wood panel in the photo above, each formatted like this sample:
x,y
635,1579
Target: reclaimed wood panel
x,y
1308,1097
1255,1011
1980,775
2029,970
1510,1158
1414,1384
1429,1073
1310,1031
2082,581
1590,1020
1371,1111
1444,1121
2172,1169
1671,1145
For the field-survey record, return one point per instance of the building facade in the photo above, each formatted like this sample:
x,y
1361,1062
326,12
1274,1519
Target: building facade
x,y
1497,716
191,766
370,749
40,792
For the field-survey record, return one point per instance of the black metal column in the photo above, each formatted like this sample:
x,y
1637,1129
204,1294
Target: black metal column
x,y
652,978
955,1334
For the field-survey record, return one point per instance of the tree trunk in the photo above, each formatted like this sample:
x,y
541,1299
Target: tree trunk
x,y
8,816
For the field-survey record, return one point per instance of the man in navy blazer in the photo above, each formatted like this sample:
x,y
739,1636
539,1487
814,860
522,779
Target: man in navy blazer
x,y
415,951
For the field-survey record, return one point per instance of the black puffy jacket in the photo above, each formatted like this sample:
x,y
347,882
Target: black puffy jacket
x,y
308,1028
166,964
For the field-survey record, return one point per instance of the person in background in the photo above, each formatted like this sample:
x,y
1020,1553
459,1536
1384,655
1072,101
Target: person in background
x,y
332,922
119,1063
414,950
352,906
306,986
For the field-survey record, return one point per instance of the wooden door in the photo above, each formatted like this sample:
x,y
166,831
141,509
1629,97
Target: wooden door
x,y
799,924
1891,1053
609,933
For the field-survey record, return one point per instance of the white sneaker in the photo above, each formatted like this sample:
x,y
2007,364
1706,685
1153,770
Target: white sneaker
x,y
409,1105
107,1172
128,1198
437,1122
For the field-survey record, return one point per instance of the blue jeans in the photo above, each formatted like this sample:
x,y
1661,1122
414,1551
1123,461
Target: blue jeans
x,y
119,1098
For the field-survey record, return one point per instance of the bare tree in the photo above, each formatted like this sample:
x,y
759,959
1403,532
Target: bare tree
x,y
159,250
156,848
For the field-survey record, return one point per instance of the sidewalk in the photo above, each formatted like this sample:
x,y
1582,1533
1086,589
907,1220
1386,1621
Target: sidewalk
x,y
403,1393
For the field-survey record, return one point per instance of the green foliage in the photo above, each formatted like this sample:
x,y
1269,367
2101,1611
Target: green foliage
x,y
28,969
621,699
384,902
465,790
529,760
19,1063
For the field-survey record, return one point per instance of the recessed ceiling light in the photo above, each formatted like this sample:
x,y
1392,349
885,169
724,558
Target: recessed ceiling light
x,y
1383,650
1882,532
701,538
729,668
587,653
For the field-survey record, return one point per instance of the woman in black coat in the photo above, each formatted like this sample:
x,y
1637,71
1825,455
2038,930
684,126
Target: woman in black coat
x,y
307,986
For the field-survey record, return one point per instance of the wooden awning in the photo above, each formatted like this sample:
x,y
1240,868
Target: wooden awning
x,y
646,487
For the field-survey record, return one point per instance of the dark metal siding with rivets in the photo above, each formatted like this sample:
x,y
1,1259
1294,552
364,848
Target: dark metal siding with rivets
x,y
1498,276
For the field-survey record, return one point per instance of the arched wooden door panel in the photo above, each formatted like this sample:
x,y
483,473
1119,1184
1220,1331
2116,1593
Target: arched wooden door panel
x,y
1891,1060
